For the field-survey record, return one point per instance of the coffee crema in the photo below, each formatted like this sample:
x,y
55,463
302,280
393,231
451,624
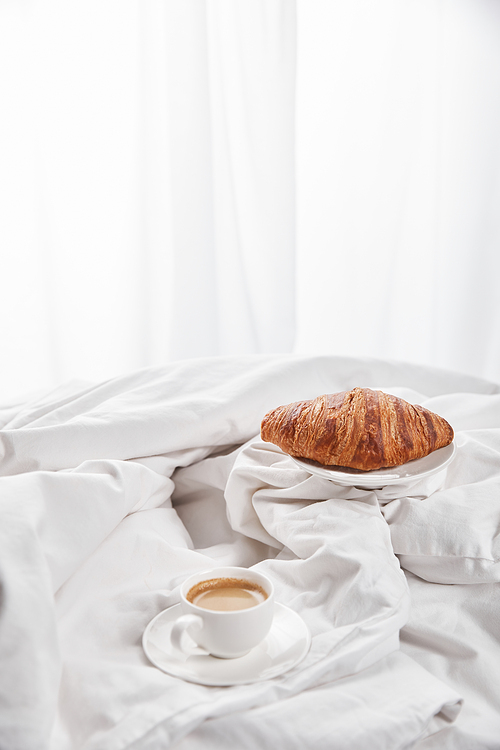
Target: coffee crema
x,y
226,594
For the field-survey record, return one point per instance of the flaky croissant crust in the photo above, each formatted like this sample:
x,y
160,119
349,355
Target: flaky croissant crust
x,y
360,429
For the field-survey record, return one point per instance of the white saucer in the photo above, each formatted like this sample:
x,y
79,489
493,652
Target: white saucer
x,y
285,646
411,472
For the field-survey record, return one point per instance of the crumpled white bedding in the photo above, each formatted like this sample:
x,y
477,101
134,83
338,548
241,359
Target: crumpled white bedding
x,y
111,494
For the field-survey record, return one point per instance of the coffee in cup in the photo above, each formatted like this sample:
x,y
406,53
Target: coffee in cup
x,y
226,594
225,611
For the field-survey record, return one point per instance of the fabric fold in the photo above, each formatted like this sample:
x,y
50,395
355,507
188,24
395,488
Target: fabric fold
x,y
111,494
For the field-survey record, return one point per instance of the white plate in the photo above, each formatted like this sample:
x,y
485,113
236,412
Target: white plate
x,y
413,471
285,646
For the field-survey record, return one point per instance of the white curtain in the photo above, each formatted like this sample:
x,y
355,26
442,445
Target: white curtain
x,y
148,184
182,178
398,181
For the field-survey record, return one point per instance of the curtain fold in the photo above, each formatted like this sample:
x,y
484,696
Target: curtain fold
x,y
252,66
231,78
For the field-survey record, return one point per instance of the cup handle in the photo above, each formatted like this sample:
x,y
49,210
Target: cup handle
x,y
180,627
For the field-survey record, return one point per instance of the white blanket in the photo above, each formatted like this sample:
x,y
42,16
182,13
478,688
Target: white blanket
x,y
111,494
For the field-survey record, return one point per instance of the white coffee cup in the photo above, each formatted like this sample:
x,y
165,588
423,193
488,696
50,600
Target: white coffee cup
x,y
209,620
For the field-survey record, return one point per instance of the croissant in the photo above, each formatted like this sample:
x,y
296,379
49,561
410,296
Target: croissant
x,y
360,429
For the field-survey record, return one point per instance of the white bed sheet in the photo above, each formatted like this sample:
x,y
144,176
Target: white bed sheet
x,y
111,494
